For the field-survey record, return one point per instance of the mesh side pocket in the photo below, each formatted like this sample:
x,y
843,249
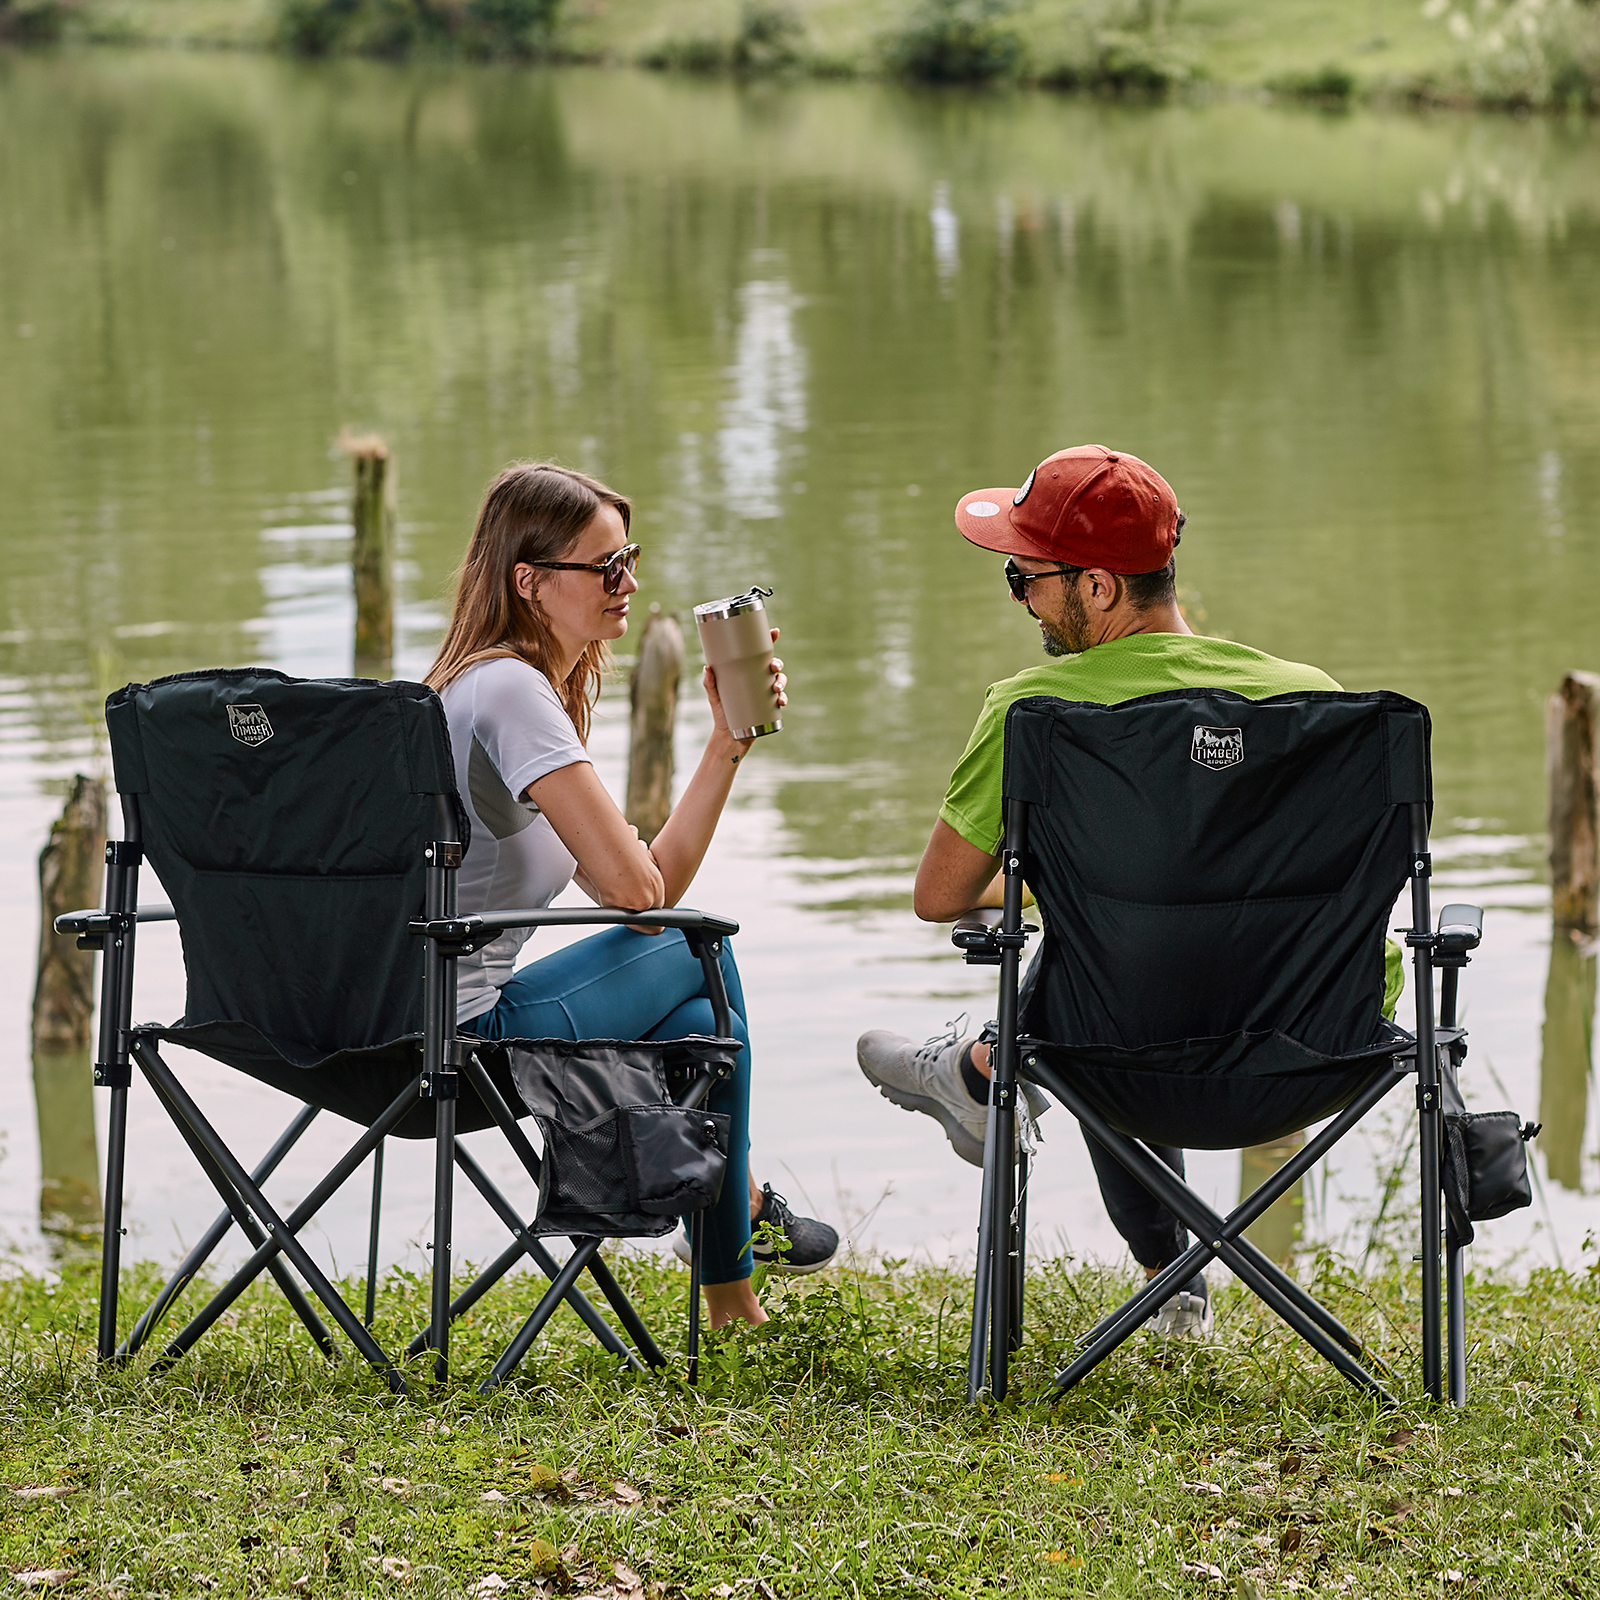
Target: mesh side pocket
x,y
585,1169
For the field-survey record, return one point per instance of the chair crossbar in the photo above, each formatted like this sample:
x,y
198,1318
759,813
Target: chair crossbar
x,y
1218,1240
240,1210
329,1185
1279,1183
210,1239
530,1245
282,1235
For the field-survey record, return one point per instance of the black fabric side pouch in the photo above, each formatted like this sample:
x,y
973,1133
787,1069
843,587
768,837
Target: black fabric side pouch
x,y
675,1158
1485,1166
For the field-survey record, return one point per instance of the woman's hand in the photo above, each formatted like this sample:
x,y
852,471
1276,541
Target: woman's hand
x,y
719,718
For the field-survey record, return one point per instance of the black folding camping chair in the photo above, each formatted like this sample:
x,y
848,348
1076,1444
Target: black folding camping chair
x,y
1214,876
309,834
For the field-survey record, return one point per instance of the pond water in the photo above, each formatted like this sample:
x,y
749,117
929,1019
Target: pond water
x,y
795,323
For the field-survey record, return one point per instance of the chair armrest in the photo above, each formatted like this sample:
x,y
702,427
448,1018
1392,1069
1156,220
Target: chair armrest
x,y
972,930
467,934
97,921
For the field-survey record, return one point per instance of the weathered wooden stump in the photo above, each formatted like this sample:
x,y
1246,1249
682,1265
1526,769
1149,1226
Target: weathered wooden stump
x,y
1276,1232
70,868
653,695
1572,762
372,554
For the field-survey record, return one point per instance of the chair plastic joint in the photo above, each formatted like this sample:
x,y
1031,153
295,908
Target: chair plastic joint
x,y
457,1053
455,936
445,1085
1427,1096
113,1075
444,853
124,852
1421,863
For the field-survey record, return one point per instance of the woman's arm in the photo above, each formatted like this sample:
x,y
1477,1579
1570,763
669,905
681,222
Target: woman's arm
x,y
614,867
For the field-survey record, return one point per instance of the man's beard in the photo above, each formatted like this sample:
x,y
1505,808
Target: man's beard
x,y
1071,636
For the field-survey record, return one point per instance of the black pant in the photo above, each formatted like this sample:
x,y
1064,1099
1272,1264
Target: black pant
x,y
1154,1235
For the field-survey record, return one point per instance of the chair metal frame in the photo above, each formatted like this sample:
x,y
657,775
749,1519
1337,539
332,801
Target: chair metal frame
x,y
997,1314
446,1058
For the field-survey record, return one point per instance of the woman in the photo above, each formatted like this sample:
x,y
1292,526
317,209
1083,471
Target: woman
x,y
542,591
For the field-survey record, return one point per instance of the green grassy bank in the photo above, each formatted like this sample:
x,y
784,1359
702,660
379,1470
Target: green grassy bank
x,y
1512,53
828,1454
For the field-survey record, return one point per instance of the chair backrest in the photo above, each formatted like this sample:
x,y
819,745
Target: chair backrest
x,y
287,818
1209,865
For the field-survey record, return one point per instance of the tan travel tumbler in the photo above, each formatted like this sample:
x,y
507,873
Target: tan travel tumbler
x,y
736,635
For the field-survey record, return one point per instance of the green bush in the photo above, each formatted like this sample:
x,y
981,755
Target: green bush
x,y
955,41
482,29
768,40
1524,54
769,37
1330,82
32,21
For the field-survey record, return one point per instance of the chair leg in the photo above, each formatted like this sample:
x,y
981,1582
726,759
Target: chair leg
x,y
982,1279
626,1313
1019,1251
211,1238
1456,1319
1000,1269
372,1235
111,1239
697,1234
1432,1197
444,1167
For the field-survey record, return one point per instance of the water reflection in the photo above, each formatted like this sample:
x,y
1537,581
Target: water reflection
x,y
1566,1056
795,324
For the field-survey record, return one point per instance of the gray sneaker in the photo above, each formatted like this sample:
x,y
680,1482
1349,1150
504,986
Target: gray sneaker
x,y
1186,1317
927,1078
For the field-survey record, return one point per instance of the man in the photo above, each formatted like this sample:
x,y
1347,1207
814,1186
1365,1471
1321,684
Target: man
x,y
1089,541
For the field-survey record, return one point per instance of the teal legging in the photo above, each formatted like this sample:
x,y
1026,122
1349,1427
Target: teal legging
x,y
618,984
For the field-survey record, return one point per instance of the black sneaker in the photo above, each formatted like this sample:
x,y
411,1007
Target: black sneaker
x,y
812,1244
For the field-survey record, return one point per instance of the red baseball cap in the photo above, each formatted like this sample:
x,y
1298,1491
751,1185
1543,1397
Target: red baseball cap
x,y
1086,507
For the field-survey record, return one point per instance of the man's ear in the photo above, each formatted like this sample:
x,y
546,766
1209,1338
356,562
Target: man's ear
x,y
1105,589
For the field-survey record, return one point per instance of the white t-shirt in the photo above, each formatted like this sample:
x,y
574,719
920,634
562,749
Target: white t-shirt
x,y
507,730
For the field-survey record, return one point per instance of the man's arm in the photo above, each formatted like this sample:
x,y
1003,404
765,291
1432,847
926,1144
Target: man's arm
x,y
952,877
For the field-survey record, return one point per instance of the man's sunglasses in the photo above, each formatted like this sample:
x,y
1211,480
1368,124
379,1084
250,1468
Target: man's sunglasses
x,y
1019,580
611,569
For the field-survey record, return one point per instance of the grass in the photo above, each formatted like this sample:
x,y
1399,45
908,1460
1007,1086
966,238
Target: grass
x,y
830,1453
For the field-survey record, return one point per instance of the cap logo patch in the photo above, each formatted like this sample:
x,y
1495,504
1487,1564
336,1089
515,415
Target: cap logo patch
x,y
1022,493
249,725
981,508
1217,748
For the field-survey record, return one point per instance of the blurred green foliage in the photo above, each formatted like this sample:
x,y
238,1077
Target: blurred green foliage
x,y
479,29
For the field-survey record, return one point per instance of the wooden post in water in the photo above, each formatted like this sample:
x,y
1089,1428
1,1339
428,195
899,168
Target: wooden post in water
x,y
372,554
653,695
70,868
1572,763
1276,1231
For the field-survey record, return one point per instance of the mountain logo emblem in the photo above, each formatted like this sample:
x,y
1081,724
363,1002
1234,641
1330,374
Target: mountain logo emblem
x,y
1217,748
249,725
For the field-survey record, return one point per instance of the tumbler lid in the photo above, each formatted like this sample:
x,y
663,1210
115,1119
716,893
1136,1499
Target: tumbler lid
x,y
734,605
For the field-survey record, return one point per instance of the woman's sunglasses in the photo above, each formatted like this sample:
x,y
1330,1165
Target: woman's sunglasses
x,y
611,569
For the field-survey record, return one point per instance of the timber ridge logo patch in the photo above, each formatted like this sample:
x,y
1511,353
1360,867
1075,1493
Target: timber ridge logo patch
x,y
1217,748
249,725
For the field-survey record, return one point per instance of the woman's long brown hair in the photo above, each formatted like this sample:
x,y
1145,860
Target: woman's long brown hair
x,y
533,511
